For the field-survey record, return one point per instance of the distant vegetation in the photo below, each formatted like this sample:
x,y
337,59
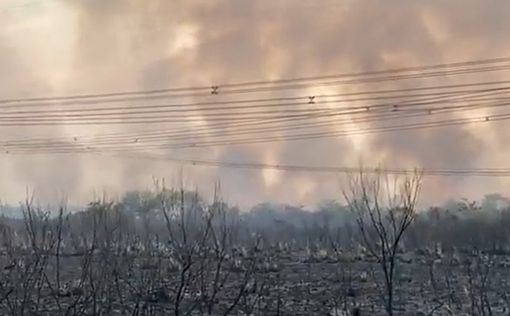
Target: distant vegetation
x,y
455,225
173,252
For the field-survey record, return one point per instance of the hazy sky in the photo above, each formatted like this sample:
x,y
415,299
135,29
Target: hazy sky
x,y
65,47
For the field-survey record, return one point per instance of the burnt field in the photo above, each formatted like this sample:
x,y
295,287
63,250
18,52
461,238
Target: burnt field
x,y
265,282
172,253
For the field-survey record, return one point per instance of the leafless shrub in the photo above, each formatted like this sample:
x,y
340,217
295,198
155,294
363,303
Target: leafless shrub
x,y
384,209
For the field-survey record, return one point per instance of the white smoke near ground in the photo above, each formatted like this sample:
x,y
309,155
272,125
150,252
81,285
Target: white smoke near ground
x,y
92,46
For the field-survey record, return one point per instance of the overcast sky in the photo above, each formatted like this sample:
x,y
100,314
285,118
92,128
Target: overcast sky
x,y
52,47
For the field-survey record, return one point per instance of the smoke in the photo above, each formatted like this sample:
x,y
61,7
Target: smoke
x,y
68,47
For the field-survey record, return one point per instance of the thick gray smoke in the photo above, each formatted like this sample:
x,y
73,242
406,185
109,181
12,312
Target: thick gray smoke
x,y
65,47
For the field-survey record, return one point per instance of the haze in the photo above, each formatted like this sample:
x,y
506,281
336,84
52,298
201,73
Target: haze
x,y
60,48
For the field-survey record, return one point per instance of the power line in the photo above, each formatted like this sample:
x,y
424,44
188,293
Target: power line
x,y
365,81
268,139
158,136
271,126
310,101
367,95
459,95
478,172
139,117
218,121
293,83
232,115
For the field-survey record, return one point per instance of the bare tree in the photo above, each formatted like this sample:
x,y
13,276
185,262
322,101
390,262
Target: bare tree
x,y
384,207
